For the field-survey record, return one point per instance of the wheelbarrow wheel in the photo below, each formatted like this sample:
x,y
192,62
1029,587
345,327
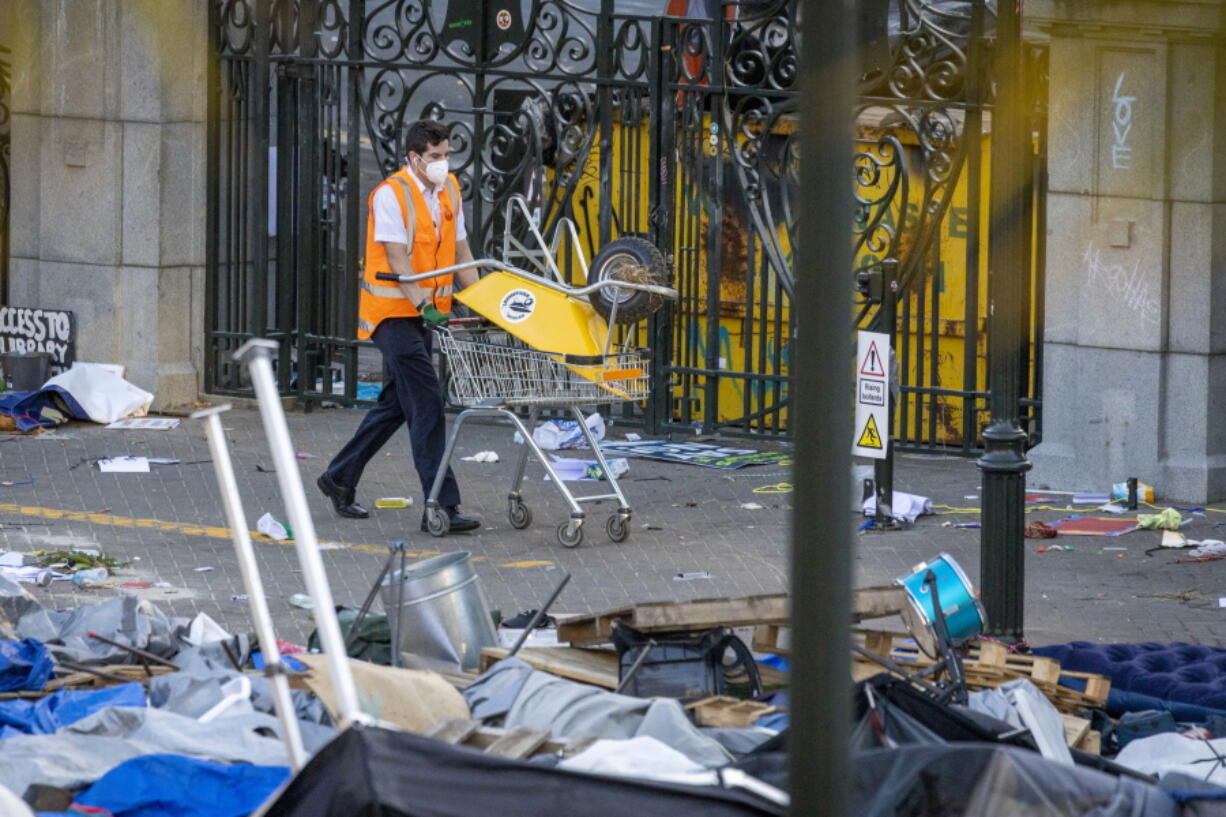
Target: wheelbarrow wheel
x,y
630,259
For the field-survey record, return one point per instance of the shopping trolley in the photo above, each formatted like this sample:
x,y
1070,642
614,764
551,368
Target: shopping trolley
x,y
550,345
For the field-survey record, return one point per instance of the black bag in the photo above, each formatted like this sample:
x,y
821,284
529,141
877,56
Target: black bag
x,y
685,665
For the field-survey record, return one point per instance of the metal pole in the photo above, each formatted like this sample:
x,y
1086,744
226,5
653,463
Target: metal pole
x,y
883,470
256,354
236,518
1004,463
820,767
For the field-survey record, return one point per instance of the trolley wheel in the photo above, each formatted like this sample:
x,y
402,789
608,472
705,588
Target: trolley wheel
x,y
635,260
618,527
437,522
519,514
570,538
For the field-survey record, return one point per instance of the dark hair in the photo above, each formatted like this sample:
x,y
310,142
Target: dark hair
x,y
424,134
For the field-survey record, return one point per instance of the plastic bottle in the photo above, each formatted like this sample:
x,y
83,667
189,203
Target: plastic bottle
x,y
94,575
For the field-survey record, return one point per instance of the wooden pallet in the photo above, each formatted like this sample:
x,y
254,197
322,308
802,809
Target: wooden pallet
x,y
516,743
86,680
726,711
702,614
597,667
987,664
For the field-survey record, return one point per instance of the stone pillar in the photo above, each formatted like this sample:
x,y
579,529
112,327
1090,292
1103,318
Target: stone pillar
x,y
108,157
1135,337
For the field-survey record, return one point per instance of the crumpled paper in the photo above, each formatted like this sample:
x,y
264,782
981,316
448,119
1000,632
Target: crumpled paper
x,y
1169,519
482,456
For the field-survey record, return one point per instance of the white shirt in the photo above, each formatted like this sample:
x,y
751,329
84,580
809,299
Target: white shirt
x,y
389,221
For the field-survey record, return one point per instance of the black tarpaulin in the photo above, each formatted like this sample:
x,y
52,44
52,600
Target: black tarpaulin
x,y
372,772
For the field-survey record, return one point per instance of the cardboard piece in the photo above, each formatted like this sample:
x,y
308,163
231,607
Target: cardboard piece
x,y
413,700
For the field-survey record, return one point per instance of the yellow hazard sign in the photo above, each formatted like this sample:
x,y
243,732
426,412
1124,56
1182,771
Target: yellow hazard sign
x,y
870,437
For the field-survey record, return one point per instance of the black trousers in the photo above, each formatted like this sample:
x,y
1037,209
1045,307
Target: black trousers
x,y
411,394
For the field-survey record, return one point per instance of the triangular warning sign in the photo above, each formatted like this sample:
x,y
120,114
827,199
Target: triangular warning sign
x,y
870,437
872,365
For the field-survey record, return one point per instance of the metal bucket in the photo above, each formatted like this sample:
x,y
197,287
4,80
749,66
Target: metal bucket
x,y
445,615
26,371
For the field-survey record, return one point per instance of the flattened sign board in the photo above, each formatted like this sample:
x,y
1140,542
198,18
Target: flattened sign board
x,y
39,330
872,429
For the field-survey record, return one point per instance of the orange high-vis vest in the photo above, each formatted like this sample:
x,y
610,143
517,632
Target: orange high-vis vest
x,y
429,250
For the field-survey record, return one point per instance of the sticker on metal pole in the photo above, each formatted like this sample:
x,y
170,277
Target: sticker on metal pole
x,y
872,396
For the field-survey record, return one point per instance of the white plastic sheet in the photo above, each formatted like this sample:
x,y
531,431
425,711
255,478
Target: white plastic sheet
x,y
104,395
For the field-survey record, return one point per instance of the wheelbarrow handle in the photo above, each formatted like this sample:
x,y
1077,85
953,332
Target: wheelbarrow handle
x,y
578,292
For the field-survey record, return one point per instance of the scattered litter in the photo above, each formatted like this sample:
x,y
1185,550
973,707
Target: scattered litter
x,y
264,470
137,585
273,528
10,483
124,465
707,455
1113,508
1090,499
1221,602
170,461
239,597
303,601
971,496
1039,530
145,424
1209,547
1093,526
15,558
203,569
554,435
332,546
691,576
569,470
482,456
1168,519
905,506
752,506
970,525
303,455
1173,539
1110,548
92,576
393,502
777,488
632,437
649,526
1145,492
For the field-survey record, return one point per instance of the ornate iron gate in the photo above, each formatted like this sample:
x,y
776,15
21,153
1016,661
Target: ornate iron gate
x,y
682,130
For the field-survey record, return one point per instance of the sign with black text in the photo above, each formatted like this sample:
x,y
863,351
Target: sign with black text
x,y
39,330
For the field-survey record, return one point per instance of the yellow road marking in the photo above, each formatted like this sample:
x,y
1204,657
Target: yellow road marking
x,y
212,531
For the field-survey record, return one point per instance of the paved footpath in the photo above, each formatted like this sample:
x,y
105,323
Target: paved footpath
x,y
169,524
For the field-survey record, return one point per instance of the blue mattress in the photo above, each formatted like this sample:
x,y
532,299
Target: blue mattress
x,y
1145,674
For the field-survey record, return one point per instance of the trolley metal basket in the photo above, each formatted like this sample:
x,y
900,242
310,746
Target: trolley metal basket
x,y
487,364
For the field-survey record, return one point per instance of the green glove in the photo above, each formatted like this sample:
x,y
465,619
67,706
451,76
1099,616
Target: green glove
x,y
430,313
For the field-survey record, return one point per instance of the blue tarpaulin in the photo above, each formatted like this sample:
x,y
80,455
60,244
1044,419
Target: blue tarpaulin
x,y
65,706
24,664
177,786
45,408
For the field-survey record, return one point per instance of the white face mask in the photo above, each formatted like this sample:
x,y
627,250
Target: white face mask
x,y
436,172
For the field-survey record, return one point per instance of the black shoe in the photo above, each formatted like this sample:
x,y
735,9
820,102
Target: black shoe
x,y
342,498
459,522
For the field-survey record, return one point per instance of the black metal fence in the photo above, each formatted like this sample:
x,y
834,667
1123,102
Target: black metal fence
x,y
5,158
678,129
